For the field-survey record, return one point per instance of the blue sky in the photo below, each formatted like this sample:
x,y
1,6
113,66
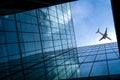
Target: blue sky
x,y
88,16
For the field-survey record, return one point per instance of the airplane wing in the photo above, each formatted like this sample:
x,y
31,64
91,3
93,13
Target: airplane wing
x,y
105,32
101,38
109,38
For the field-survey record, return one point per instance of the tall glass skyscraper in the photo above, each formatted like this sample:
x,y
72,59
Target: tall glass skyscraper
x,y
38,45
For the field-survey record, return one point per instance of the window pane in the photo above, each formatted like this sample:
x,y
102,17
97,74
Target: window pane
x,y
11,37
29,46
3,50
2,37
101,57
13,49
90,58
114,66
112,56
9,25
85,69
99,68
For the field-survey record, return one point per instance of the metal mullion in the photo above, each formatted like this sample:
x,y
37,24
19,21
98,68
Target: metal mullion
x,y
93,62
65,39
53,40
60,40
6,46
107,63
18,37
39,30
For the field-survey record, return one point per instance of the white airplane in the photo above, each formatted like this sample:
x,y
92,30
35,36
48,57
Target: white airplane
x,y
104,36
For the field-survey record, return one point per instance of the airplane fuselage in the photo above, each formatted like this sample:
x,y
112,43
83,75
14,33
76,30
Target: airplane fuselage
x,y
104,36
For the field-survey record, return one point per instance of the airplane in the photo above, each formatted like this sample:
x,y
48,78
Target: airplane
x,y
104,36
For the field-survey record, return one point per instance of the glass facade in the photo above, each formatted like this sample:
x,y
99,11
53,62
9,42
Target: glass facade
x,y
100,60
38,45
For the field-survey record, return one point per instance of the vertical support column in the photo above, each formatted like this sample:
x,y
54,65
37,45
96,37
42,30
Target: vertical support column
x,y
116,16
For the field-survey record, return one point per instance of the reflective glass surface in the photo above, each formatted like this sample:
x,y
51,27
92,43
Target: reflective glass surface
x,y
100,61
38,45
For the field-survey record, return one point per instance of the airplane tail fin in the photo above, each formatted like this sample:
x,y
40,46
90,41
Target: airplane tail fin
x,y
97,31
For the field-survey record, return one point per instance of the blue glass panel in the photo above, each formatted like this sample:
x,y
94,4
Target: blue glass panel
x,y
13,49
90,58
114,66
101,52
64,42
57,42
85,69
52,8
84,54
54,24
3,51
58,48
26,27
93,53
1,24
109,51
60,20
53,18
33,20
50,63
60,14
28,37
10,17
65,46
43,10
53,13
44,22
62,74
9,25
29,46
37,45
112,56
11,37
51,75
99,68
36,37
55,30
46,36
44,29
14,57
25,18
33,12
2,37
81,59
42,14
56,37
48,49
47,44
3,60
35,28
61,26
101,57
62,32
116,49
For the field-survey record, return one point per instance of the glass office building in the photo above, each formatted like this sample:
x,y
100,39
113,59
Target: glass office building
x,y
38,45
99,62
